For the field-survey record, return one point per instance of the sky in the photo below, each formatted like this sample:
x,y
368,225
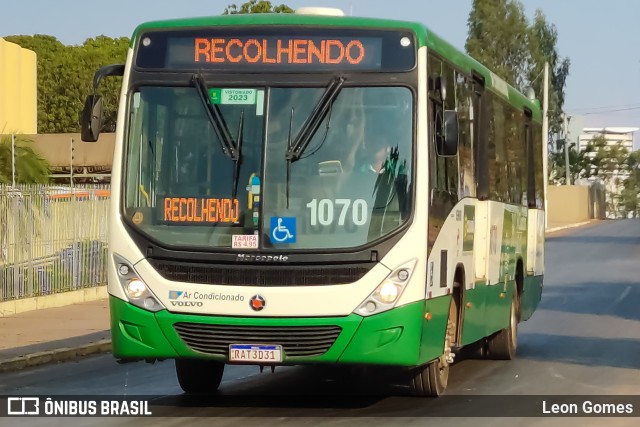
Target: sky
x,y
600,38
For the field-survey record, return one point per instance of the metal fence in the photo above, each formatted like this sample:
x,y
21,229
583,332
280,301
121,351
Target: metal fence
x,y
52,239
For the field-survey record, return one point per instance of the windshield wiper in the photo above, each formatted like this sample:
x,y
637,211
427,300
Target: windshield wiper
x,y
229,147
237,161
295,149
311,125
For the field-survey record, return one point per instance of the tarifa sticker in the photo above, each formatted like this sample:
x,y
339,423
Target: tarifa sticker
x,y
245,241
137,218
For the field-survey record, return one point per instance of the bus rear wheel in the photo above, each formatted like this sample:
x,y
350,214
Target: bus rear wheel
x,y
199,376
502,345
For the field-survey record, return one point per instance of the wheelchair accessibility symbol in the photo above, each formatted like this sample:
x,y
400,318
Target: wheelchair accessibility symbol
x,y
283,229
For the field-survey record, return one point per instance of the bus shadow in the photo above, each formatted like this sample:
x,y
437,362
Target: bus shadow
x,y
300,391
619,299
589,351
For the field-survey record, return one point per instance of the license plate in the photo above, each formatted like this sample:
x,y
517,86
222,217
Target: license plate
x,y
255,353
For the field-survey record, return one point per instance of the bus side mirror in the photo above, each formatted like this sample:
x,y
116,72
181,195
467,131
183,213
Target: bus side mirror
x,y
450,134
91,118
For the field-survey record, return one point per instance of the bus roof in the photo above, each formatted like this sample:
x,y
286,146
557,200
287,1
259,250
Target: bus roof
x,y
425,37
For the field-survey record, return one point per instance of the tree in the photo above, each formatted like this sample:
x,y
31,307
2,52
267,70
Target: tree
x,y
497,38
543,41
630,196
93,54
31,168
255,6
65,75
501,38
610,163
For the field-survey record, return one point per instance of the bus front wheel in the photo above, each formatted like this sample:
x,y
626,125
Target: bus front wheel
x,y
431,379
198,375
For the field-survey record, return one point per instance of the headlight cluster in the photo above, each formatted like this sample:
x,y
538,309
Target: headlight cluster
x,y
386,295
135,289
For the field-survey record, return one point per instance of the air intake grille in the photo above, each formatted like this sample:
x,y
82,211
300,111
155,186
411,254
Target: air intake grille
x,y
247,275
295,341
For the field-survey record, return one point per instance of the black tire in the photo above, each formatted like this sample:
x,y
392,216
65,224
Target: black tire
x,y
503,344
431,380
199,376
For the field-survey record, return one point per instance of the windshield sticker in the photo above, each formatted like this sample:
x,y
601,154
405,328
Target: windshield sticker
x,y
283,229
260,103
200,210
215,95
244,241
254,198
233,96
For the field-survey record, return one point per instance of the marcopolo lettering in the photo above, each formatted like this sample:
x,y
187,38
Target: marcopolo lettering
x,y
262,258
279,51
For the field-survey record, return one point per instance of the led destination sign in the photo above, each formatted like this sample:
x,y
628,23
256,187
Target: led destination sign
x,y
280,49
200,210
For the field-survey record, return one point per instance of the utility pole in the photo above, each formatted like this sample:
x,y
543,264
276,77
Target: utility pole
x,y
13,160
566,120
545,138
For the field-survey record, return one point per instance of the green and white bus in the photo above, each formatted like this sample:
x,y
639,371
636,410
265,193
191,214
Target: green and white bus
x,y
309,188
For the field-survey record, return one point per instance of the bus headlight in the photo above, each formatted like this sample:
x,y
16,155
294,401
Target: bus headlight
x,y
136,291
386,295
136,288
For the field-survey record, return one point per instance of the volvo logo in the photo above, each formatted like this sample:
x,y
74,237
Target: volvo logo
x,y
257,302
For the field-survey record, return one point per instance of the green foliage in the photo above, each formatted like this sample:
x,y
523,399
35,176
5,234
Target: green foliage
x,y
255,6
620,171
630,196
65,75
31,168
498,31
579,164
543,41
501,37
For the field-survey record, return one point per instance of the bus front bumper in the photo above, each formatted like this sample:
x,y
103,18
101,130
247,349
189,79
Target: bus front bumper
x,y
401,336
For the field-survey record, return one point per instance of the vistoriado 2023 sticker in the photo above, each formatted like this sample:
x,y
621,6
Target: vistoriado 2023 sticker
x,y
233,96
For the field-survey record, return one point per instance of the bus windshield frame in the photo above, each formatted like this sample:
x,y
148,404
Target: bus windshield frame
x,y
273,134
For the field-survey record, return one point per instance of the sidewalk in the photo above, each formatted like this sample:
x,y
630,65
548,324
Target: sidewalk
x,y
54,334
67,333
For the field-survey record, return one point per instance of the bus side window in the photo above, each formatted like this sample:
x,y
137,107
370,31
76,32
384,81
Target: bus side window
x,y
464,109
444,175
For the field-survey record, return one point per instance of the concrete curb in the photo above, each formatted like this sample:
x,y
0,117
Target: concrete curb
x,y
63,299
564,227
57,355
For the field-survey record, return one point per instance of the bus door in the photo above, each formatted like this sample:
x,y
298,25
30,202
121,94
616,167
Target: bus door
x,y
473,328
535,223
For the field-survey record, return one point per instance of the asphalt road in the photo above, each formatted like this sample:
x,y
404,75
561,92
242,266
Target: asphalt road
x,y
584,339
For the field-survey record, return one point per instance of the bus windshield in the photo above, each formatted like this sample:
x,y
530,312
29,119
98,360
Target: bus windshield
x,y
350,185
